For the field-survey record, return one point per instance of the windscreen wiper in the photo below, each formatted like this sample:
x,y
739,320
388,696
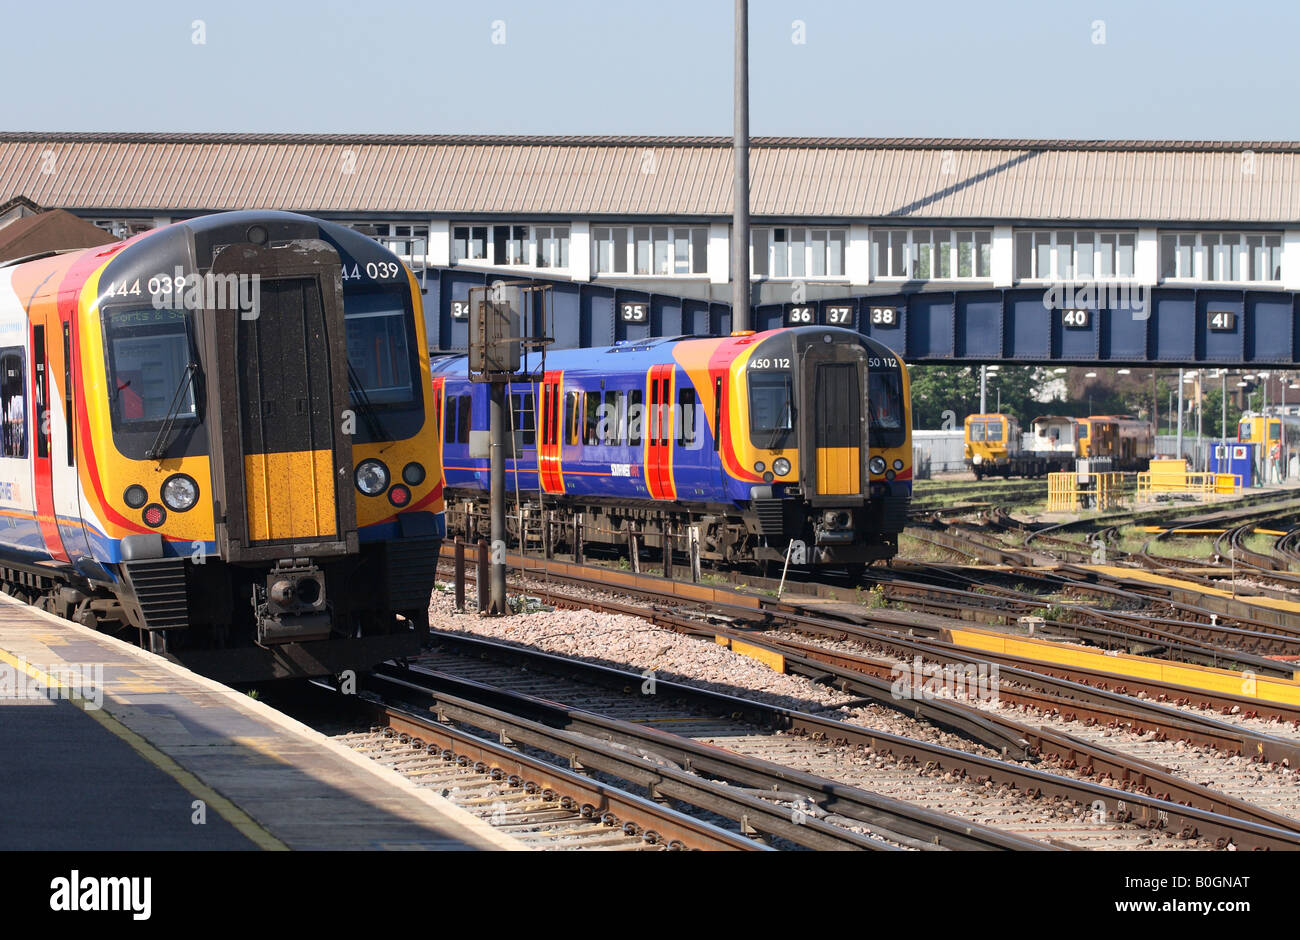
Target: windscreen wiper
x,y
368,413
159,447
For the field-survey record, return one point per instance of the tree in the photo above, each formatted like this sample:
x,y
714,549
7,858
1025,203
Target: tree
x,y
943,395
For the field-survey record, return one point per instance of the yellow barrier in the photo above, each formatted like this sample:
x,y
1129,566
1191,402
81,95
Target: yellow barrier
x,y
1171,476
1102,491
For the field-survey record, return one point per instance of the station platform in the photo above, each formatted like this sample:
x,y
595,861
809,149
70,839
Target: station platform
x,y
111,748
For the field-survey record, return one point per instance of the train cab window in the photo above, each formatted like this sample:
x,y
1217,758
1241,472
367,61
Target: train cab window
x,y
771,408
1275,430
1083,431
13,403
685,418
995,431
522,418
148,357
977,431
635,416
885,401
572,418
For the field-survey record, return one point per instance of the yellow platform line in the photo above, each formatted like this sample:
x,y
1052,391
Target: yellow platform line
x,y
1206,678
1140,574
245,824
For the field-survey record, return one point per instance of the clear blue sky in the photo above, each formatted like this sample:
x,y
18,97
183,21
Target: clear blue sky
x,y
967,68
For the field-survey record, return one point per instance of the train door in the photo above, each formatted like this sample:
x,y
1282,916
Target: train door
x,y
549,463
68,501
659,432
42,464
440,418
277,394
833,430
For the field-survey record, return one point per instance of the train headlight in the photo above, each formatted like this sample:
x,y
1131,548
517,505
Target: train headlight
x,y
372,477
877,465
780,466
180,492
898,465
413,474
759,466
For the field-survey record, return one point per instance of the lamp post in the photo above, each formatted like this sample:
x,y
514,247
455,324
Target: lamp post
x,y
740,171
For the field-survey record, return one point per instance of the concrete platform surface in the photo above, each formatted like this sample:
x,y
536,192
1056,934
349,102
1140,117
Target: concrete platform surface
x,y
109,747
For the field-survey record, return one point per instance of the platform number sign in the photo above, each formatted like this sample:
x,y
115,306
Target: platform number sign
x,y
839,314
1223,321
460,309
1076,318
799,315
637,311
884,316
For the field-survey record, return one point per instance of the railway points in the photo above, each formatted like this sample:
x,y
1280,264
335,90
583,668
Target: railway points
x,y
148,755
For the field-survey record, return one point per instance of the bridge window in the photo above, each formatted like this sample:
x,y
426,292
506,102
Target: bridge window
x,y
797,252
1074,255
928,254
1221,256
541,246
609,249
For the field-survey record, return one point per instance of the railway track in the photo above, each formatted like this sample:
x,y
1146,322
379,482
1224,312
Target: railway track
x,y
1025,802
1142,718
541,805
761,797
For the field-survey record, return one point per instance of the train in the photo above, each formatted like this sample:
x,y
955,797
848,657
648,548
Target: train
x,y
219,438
1277,440
787,446
994,445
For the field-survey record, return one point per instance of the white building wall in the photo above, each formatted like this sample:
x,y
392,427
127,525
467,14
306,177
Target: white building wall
x,y
580,251
719,255
439,242
857,255
1146,257
1291,259
1002,256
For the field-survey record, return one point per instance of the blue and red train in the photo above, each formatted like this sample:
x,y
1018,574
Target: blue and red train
x,y
762,442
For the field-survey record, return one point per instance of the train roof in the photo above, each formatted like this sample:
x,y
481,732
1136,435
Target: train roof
x,y
640,354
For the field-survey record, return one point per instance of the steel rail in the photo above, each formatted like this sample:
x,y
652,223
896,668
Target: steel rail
x,y
1129,805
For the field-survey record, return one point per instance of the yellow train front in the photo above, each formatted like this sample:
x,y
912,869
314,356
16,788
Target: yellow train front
x,y
1128,443
230,447
992,445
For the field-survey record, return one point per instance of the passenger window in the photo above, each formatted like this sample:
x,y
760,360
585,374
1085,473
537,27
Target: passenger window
x,y
571,417
609,422
635,416
685,423
13,401
462,419
449,420
591,418
523,417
